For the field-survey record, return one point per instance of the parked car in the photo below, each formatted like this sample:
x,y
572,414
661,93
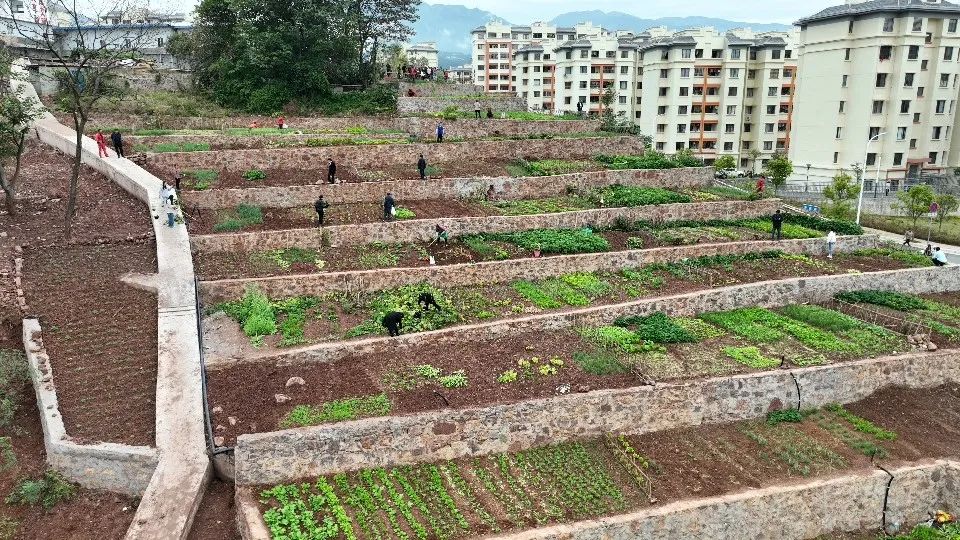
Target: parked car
x,y
730,173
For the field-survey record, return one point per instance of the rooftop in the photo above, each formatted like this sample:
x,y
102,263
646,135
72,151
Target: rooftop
x,y
882,6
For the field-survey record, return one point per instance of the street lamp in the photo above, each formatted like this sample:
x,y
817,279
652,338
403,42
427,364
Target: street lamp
x,y
863,179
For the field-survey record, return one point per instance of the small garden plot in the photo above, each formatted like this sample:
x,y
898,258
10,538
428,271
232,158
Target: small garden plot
x,y
242,217
590,478
160,148
548,167
465,305
616,196
900,311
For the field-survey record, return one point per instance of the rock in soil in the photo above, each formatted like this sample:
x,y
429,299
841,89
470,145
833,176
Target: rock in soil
x,y
298,381
281,398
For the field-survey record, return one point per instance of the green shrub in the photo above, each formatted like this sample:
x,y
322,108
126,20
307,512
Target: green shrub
x,y
657,328
254,313
404,213
48,491
784,415
254,175
890,299
337,411
564,241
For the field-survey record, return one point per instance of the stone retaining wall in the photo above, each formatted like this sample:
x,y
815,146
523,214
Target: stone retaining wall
x,y
429,105
852,503
763,294
506,187
445,88
114,467
412,125
294,454
397,154
422,230
459,275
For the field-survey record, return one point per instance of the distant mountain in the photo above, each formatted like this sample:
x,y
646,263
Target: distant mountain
x,y
615,20
449,27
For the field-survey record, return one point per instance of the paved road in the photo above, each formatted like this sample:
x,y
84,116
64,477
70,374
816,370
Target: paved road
x,y
953,252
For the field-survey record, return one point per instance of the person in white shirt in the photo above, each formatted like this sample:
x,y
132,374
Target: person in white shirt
x,y
939,257
831,243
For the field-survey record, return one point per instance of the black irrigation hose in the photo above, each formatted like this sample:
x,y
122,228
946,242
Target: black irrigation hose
x,y
797,384
443,397
211,447
886,496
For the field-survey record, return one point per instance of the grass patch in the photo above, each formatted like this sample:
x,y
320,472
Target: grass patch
x,y
537,297
617,338
337,411
862,424
699,329
599,363
542,206
162,148
287,257
890,299
47,491
545,167
785,415
14,375
563,241
483,247
244,215
200,179
254,175
908,257
751,357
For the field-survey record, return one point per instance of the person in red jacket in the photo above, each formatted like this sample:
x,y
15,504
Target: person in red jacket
x,y
761,185
101,143
281,121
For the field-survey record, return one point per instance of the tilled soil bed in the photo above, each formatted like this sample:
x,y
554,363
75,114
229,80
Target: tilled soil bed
x,y
101,335
578,480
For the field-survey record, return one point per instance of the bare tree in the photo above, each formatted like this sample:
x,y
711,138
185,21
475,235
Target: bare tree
x,y
16,113
87,51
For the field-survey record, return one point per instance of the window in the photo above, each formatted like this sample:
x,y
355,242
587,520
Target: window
x,y
952,25
775,54
750,92
665,54
746,145
904,106
682,109
734,73
787,73
771,109
886,51
836,156
662,109
877,107
842,104
881,80
729,128
781,126
871,158
888,24
735,53
944,80
774,73
684,90
902,133
622,100
898,158
732,91
933,158
913,52
660,147
751,74
698,53
913,144
917,24
772,91
17,6
923,65
568,55
663,91
727,146
684,53
664,73
685,72
731,109
624,54
787,53
624,70
568,86
948,53
681,128
916,118
768,145
846,54
873,132
843,84
661,128
936,133
850,27
159,42
768,127
941,106
839,131
919,91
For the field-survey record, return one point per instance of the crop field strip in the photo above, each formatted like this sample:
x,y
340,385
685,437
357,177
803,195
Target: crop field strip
x,y
614,474
631,352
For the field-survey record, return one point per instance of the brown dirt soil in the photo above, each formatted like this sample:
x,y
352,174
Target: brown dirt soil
x,y
90,515
203,221
101,335
216,517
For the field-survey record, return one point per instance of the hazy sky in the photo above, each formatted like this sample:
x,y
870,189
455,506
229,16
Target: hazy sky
x,y
782,11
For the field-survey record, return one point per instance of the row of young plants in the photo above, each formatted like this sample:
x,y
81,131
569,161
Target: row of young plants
x,y
942,318
569,481
615,196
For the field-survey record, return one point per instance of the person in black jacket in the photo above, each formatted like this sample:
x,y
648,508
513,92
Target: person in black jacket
x,y
117,142
777,220
422,167
320,205
388,206
331,170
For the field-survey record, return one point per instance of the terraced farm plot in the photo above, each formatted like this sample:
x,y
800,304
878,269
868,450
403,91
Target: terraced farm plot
x,y
596,477
535,365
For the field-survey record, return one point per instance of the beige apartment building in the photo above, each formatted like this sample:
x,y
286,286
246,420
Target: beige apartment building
x,y
883,70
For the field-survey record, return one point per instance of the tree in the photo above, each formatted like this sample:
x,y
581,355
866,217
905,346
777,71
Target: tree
x,y
778,169
16,113
946,205
841,192
381,21
86,67
754,155
723,163
915,202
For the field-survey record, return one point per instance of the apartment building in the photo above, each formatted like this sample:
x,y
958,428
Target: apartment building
x,y
717,93
495,43
423,54
879,86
